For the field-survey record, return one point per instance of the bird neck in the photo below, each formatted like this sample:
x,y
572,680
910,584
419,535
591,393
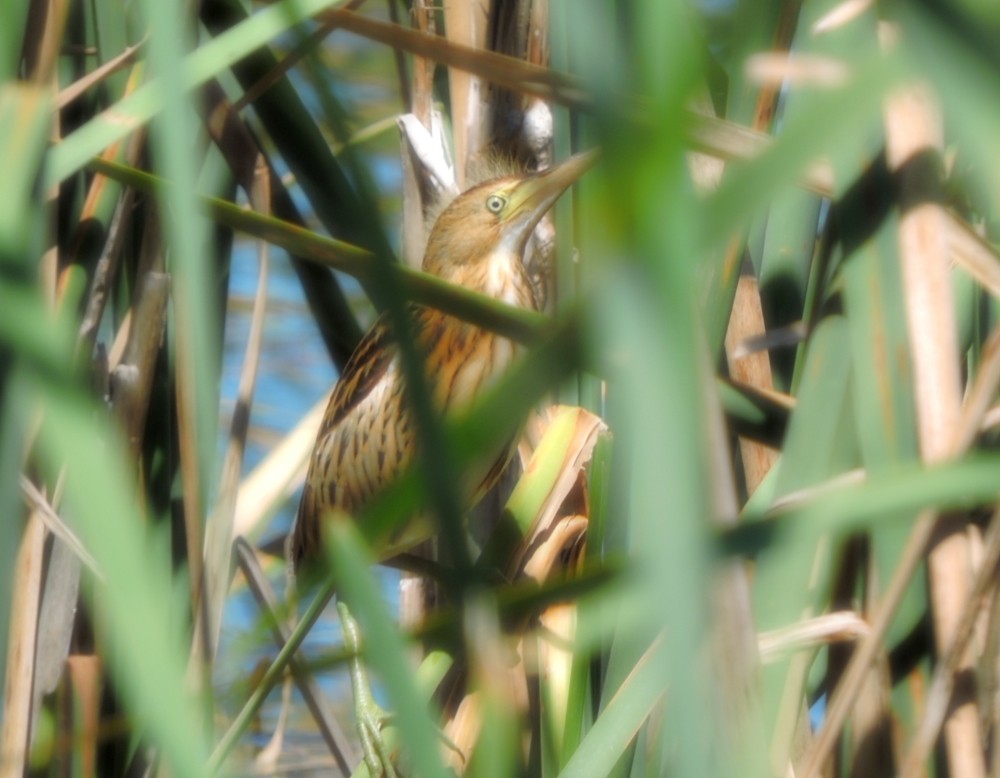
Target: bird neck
x,y
500,275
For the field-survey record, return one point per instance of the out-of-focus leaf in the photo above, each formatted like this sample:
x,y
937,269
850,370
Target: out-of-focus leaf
x,y
384,649
112,39
826,125
134,605
965,483
502,70
518,323
25,120
956,52
553,469
194,313
204,63
621,719
816,445
12,19
12,416
337,192
883,381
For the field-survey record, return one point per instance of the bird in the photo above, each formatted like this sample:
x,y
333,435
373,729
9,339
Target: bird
x,y
367,437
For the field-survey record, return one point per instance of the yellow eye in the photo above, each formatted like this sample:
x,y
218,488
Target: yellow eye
x,y
495,203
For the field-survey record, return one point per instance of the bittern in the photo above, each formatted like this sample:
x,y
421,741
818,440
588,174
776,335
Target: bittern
x,y
367,437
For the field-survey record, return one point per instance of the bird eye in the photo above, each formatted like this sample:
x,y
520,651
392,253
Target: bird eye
x,y
495,203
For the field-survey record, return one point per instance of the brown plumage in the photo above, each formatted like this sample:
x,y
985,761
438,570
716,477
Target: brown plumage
x,y
367,436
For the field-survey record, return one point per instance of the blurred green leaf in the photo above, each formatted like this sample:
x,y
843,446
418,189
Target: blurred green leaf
x,y
619,722
12,19
518,323
204,63
958,55
882,381
133,604
907,489
384,648
337,194
25,122
828,123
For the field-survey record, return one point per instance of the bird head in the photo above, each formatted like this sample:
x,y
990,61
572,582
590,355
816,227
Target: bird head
x,y
491,222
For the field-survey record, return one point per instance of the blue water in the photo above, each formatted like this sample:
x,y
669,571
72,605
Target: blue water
x,y
294,373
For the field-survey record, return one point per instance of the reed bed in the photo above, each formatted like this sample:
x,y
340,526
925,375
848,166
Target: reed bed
x,y
752,526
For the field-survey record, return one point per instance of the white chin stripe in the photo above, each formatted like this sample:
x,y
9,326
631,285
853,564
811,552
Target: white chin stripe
x,y
503,270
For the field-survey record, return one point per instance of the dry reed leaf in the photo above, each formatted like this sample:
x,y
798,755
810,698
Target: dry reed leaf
x,y
991,420
99,74
463,729
219,533
20,673
542,551
914,126
497,683
555,653
980,396
275,479
730,141
59,528
566,534
465,25
841,15
44,49
117,349
841,626
949,664
59,594
548,653
430,150
507,72
82,704
779,337
802,497
983,390
782,69
971,252
56,621
422,108
746,322
574,457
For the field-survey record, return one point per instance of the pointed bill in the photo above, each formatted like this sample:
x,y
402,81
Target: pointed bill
x,y
532,198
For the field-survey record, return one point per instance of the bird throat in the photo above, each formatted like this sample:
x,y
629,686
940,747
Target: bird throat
x,y
502,277
464,359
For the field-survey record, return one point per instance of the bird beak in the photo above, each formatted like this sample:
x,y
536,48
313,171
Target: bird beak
x,y
532,198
